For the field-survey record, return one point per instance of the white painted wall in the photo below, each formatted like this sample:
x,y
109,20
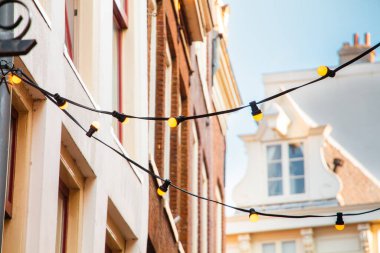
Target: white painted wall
x,y
114,178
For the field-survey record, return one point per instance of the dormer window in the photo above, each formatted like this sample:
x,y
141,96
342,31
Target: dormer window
x,y
285,166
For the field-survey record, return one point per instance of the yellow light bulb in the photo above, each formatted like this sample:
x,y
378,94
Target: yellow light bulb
x,y
15,79
96,125
322,70
172,122
258,117
253,217
160,192
339,227
64,106
125,121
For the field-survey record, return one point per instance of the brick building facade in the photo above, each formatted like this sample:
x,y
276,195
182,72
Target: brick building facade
x,y
182,53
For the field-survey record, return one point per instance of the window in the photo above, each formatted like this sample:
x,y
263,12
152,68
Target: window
x,y
204,211
288,247
286,173
11,164
119,237
62,218
296,168
219,221
269,248
168,103
115,241
70,205
194,189
18,178
71,28
274,170
279,247
119,24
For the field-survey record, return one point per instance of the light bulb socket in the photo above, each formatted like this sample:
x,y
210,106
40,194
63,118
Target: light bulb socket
x,y
91,131
17,72
61,102
339,219
165,186
180,119
252,211
15,76
255,109
253,215
120,117
175,121
330,72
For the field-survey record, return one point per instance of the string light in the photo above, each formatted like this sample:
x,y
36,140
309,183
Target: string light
x,y
256,112
93,128
61,102
164,187
253,214
14,78
120,116
175,121
339,224
325,71
166,182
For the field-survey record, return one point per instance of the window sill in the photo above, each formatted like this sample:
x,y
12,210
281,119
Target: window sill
x,y
71,63
8,210
43,13
122,150
287,198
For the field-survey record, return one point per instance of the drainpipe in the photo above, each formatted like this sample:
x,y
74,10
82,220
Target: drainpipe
x,y
6,17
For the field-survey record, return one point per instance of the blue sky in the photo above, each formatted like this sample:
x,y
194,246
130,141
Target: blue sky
x,y
280,35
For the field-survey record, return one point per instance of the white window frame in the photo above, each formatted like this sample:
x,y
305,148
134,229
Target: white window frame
x,y
278,245
219,220
194,188
204,214
167,110
285,163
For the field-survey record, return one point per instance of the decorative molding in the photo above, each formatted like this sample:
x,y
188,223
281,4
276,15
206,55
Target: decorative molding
x,y
308,240
365,237
244,243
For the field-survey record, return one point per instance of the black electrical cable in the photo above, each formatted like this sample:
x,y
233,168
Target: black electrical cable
x,y
193,194
50,96
183,118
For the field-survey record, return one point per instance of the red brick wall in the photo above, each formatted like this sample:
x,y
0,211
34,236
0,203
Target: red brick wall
x,y
357,188
187,88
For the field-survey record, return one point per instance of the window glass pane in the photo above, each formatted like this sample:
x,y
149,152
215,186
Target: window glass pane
x,y
274,170
269,248
275,187
295,150
288,247
296,168
60,224
274,152
297,185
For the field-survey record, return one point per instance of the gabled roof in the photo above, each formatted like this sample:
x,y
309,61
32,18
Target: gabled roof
x,y
349,102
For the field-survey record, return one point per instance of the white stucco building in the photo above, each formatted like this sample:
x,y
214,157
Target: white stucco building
x,y
70,193
315,152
